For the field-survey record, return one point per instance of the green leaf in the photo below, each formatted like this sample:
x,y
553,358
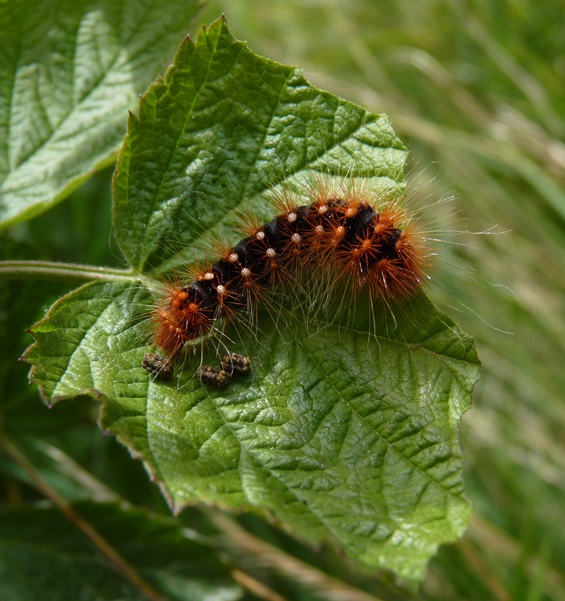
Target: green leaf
x,y
346,430
224,126
45,556
69,71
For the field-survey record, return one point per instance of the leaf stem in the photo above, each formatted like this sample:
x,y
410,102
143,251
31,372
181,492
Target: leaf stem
x,y
117,560
64,271
257,588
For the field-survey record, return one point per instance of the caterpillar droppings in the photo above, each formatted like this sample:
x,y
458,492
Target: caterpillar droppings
x,y
235,363
214,376
159,366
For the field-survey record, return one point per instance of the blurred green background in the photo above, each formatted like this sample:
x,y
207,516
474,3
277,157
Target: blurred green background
x,y
476,90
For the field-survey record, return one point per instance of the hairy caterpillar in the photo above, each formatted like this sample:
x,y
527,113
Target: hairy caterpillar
x,y
335,232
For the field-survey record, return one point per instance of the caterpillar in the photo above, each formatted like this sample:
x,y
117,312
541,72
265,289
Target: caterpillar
x,y
333,231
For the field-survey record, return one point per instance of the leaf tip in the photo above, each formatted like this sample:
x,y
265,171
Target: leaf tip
x,y
25,355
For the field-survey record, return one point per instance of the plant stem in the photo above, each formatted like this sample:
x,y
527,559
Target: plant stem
x,y
64,271
266,555
117,560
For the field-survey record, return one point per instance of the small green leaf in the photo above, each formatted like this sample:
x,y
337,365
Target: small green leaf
x,y
69,70
45,556
346,430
